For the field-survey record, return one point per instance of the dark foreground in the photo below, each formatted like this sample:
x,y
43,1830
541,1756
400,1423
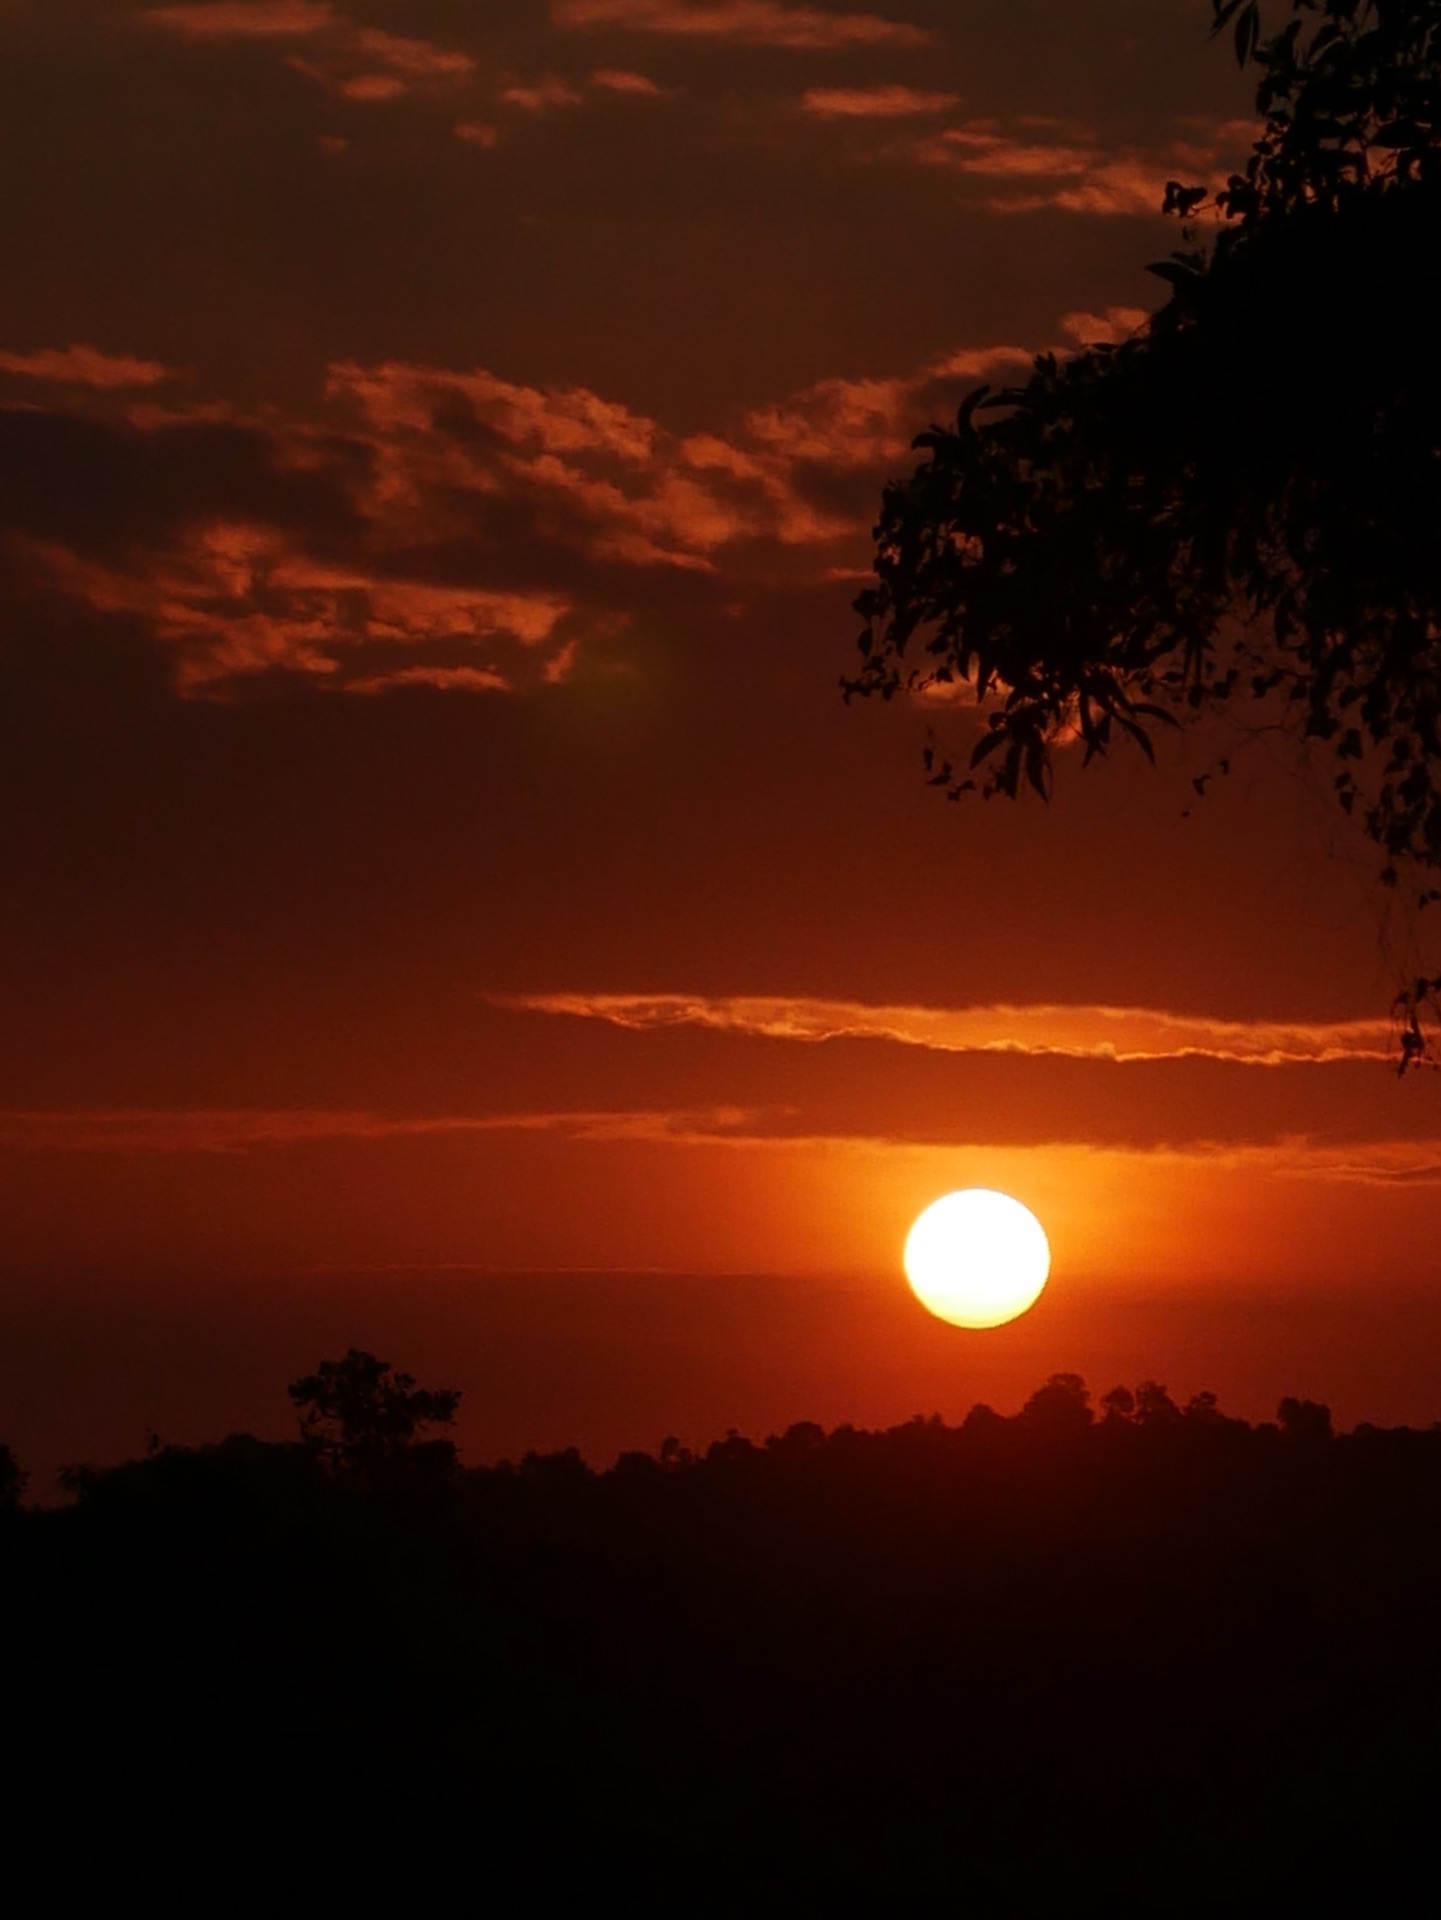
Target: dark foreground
x,y
1153,1662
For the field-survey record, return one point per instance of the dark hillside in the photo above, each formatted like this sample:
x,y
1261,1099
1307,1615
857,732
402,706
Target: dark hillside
x,y
1157,1661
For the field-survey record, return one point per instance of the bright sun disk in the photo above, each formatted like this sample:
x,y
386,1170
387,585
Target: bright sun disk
x,y
977,1258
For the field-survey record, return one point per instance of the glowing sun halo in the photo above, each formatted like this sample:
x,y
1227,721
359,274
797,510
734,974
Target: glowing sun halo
x,y
977,1258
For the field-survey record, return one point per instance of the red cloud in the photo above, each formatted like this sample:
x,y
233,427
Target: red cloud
x,y
1076,174
542,96
358,63
751,22
232,600
446,528
244,19
148,1130
1104,329
873,103
84,366
416,59
865,423
1121,1034
618,80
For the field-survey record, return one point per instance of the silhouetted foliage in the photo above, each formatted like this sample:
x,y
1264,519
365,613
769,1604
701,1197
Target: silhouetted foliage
x,y
360,1415
1062,1405
1118,1405
1154,1406
1240,504
1304,1422
1028,1665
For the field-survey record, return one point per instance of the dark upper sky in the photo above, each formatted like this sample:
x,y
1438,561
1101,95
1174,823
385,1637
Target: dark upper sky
x,y
438,448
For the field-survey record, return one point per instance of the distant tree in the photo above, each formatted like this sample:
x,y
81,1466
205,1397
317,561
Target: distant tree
x,y
1304,1422
1118,1406
1154,1406
1239,506
13,1479
360,1414
1204,1409
1062,1405
560,1472
801,1438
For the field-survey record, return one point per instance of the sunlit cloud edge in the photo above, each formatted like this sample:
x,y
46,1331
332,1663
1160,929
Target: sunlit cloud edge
x,y
1125,1035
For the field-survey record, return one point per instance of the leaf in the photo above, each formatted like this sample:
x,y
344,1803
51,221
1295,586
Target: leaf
x,y
1140,736
983,749
1182,201
1247,15
1177,271
975,398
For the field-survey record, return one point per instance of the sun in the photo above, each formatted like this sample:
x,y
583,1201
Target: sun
x,y
977,1258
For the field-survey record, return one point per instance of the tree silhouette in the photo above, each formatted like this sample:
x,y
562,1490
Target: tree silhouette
x,y
1307,1423
1061,1406
844,1671
1118,1406
1154,1406
360,1414
1239,505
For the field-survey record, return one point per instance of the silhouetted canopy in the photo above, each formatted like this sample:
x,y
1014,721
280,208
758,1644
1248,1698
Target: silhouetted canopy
x,y
1242,503
359,1412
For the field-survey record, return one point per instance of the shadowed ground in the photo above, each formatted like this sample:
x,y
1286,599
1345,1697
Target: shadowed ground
x,y
1160,1658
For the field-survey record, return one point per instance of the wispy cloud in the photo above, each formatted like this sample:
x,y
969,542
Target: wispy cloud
x,y
441,679
236,599
230,1130
418,59
1030,166
1077,1032
443,527
760,23
368,66
863,423
1378,1165
874,103
622,80
244,19
359,64
448,443
1104,329
84,366
542,96
629,490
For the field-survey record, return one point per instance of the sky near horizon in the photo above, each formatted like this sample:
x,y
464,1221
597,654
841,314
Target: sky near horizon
x,y
438,447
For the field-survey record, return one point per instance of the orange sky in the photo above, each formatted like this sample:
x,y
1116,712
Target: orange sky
x,y
437,451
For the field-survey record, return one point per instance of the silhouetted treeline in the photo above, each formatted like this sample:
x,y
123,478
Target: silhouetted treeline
x,y
1136,1659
